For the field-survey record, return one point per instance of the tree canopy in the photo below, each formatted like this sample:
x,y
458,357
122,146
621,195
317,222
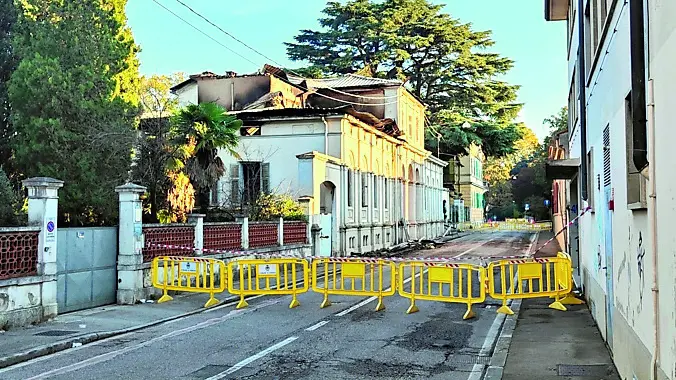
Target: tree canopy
x,y
7,66
75,101
443,61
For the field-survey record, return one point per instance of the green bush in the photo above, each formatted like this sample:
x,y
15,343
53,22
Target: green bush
x,y
9,202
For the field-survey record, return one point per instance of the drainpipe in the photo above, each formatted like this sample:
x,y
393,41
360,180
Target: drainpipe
x,y
652,205
638,75
583,99
326,136
232,95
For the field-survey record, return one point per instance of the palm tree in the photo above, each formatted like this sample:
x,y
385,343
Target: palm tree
x,y
201,130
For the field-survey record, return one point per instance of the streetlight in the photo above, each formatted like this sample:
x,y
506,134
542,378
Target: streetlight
x,y
466,125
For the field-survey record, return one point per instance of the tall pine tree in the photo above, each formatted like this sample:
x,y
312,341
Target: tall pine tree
x,y
443,61
75,101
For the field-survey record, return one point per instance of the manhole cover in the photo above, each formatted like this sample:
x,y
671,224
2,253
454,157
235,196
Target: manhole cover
x,y
56,333
592,370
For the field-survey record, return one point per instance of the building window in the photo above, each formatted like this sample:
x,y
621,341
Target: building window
x,y
555,199
376,183
587,41
377,238
365,240
572,102
350,189
256,177
636,183
387,236
364,189
234,184
387,193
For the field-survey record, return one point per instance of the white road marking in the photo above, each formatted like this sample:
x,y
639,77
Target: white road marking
x,y
371,299
112,354
316,326
477,371
253,358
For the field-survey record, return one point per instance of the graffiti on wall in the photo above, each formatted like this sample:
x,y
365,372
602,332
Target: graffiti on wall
x,y
640,263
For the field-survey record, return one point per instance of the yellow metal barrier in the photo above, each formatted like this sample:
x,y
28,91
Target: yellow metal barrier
x,y
276,276
546,277
355,271
566,280
453,283
188,274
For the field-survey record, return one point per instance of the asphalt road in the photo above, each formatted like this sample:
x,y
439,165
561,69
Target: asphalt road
x,y
267,340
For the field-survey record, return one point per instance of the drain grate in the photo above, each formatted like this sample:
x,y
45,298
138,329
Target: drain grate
x,y
56,333
592,370
469,359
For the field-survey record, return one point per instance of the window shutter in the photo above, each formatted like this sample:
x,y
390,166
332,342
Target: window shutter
x,y
265,177
234,183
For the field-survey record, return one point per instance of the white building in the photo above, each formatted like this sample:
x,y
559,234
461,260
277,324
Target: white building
x,y
361,171
622,106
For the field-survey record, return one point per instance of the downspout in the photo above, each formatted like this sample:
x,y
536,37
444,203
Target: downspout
x,y
232,95
643,128
652,205
583,99
638,76
326,136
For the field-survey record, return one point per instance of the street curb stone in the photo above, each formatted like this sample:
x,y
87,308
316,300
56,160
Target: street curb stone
x,y
66,344
499,357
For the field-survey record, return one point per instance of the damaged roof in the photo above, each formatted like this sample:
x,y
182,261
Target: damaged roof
x,y
352,81
387,126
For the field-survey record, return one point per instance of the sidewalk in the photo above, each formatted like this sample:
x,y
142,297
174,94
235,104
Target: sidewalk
x,y
81,327
548,344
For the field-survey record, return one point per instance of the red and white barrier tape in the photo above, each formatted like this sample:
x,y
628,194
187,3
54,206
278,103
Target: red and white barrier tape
x,y
560,231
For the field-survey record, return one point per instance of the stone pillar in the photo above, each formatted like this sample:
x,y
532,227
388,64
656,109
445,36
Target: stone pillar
x,y
43,211
130,245
280,232
245,232
198,221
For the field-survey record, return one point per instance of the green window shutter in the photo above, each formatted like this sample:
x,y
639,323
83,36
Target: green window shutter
x,y
234,183
265,178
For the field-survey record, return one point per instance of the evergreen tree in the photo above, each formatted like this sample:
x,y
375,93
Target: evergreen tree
x,y
75,102
443,61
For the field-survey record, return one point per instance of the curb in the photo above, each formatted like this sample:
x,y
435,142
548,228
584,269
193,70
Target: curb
x,y
63,345
501,349
499,358
66,344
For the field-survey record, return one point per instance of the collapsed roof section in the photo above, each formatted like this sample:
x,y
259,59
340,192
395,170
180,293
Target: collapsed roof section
x,y
250,96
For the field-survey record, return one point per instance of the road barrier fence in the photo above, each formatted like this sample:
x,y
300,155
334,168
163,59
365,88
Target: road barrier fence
x,y
439,280
273,276
188,274
364,277
443,282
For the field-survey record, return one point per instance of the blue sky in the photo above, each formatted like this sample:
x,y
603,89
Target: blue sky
x,y
519,30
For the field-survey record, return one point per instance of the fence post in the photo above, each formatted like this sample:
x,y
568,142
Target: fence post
x,y
130,244
245,233
198,221
43,211
280,232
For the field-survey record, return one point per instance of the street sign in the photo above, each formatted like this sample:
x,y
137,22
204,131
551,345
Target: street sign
x,y
50,236
267,269
188,266
527,207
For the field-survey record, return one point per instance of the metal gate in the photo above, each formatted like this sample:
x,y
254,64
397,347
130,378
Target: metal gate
x,y
86,260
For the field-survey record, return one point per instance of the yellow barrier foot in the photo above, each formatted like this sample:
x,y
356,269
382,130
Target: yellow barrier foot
x,y
469,314
412,309
211,302
557,306
504,309
164,298
381,305
294,303
325,303
242,304
570,299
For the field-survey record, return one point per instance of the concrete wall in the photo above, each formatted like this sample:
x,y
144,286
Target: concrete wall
x,y
616,246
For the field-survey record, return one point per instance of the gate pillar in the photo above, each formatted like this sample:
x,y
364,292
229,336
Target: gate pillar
x,y
130,244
